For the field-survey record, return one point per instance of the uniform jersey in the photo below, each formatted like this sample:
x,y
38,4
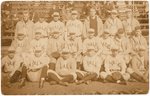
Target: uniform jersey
x,y
29,25
113,25
53,26
93,42
37,62
123,44
76,26
43,26
74,45
106,45
55,45
38,43
11,65
92,64
130,24
114,64
20,45
64,67
138,41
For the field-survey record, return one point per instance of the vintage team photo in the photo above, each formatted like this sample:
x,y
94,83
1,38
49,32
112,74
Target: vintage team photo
x,y
74,47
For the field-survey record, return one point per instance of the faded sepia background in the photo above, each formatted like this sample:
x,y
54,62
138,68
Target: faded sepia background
x,y
11,13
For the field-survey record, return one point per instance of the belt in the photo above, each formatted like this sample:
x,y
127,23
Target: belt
x,y
114,69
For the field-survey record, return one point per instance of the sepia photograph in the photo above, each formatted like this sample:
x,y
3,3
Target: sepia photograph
x,y
75,47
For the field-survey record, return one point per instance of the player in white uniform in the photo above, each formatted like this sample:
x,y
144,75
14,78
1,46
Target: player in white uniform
x,y
56,24
74,24
65,70
74,45
92,41
27,24
115,68
113,23
10,66
130,23
91,65
34,67
139,66
38,41
55,45
42,24
20,43
124,45
138,40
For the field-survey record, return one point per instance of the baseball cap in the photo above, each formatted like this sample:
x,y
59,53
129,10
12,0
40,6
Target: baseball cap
x,y
74,12
91,48
114,11
114,48
120,31
106,31
55,14
38,31
38,49
11,49
91,30
141,48
65,51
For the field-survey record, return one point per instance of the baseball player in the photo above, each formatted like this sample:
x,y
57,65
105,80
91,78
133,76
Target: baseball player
x,y
91,65
113,23
74,24
56,24
55,45
115,68
91,41
35,66
20,43
138,39
94,22
106,42
124,45
130,23
139,65
65,70
27,24
38,41
10,66
74,46
42,24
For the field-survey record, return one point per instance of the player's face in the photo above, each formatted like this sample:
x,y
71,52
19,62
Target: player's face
x,y
106,35
129,14
114,52
37,36
37,54
91,35
141,53
74,17
138,32
56,36
56,18
92,12
25,17
72,37
11,55
41,19
120,35
65,56
92,53
113,15
20,37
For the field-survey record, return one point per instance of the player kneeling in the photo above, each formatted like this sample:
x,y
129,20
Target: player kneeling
x,y
115,68
139,66
65,69
91,64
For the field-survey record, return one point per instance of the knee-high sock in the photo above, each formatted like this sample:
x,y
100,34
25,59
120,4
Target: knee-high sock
x,y
89,77
137,77
110,79
44,72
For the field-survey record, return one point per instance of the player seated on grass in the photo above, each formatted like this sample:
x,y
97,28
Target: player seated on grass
x,y
65,70
34,67
38,41
20,43
138,69
91,65
74,46
115,68
11,64
55,45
